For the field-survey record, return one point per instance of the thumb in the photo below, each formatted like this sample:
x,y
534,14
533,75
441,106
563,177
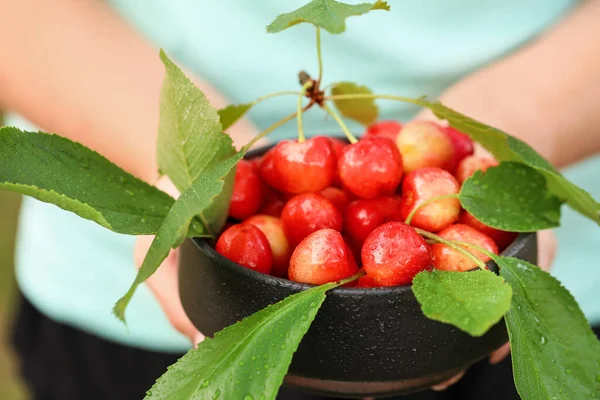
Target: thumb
x,y
164,282
165,287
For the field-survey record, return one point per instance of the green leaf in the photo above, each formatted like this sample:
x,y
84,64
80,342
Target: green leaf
x,y
471,301
230,114
174,229
555,354
191,141
508,148
364,111
247,360
56,170
511,197
576,197
327,14
190,137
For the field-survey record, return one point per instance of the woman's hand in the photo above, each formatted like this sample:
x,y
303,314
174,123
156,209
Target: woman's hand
x,y
164,283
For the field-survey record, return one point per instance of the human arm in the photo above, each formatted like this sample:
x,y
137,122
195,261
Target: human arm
x,y
547,93
75,68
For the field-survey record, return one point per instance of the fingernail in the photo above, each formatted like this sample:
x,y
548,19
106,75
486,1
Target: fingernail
x,y
445,385
500,354
496,358
439,388
198,338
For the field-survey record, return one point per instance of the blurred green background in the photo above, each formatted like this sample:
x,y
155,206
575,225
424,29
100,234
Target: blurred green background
x,y
11,386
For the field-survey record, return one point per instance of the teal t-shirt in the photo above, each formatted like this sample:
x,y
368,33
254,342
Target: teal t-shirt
x,y
73,270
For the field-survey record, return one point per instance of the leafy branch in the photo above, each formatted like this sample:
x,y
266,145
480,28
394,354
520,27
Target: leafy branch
x,y
263,342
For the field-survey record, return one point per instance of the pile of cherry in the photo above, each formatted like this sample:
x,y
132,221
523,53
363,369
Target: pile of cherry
x,y
317,211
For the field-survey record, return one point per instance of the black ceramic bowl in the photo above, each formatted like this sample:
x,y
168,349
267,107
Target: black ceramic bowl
x,y
363,342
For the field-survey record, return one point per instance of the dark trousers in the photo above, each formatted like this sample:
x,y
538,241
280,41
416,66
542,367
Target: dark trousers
x,y
62,363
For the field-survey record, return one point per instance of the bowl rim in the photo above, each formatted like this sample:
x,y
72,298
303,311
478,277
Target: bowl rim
x,y
204,246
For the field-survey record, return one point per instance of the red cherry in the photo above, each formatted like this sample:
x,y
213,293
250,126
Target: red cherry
x,y
448,259
322,257
463,146
389,129
391,206
337,197
307,213
337,145
354,248
304,167
247,193
256,161
267,169
424,184
424,144
363,216
470,164
246,245
501,238
366,282
371,167
272,204
394,253
280,247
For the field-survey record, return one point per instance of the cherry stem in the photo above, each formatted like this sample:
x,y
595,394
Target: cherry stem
x,y
354,277
276,94
319,56
305,87
426,202
452,244
270,129
341,123
375,96
478,248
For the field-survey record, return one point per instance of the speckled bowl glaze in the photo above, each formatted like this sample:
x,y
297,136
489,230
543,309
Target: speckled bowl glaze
x,y
363,342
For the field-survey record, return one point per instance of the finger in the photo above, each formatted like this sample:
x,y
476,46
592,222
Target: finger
x,y
500,354
547,245
197,339
446,384
165,287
